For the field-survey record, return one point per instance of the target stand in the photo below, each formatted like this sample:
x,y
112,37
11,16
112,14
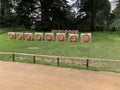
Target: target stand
x,y
73,37
86,37
61,37
28,36
11,35
49,36
19,36
38,36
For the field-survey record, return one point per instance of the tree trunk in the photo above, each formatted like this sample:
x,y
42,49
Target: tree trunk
x,y
44,13
93,16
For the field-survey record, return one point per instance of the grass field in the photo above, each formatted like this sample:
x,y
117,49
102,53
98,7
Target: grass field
x,y
104,45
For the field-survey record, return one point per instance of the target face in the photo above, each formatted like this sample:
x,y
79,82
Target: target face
x,y
61,37
28,36
86,37
73,37
19,36
49,36
11,35
39,36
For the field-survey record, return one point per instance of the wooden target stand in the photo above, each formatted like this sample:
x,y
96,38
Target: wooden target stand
x,y
28,36
38,36
19,36
11,35
73,37
49,36
61,37
86,37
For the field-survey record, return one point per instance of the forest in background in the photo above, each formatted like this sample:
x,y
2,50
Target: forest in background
x,y
45,15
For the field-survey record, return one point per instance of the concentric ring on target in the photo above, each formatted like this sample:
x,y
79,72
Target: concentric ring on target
x,y
61,37
19,36
11,35
49,36
86,37
28,36
73,37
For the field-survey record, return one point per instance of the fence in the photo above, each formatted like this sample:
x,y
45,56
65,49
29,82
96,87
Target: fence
x,y
60,60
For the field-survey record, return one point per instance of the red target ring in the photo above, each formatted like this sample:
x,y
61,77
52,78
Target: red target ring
x,y
19,36
49,37
73,39
86,38
61,37
28,37
38,37
11,36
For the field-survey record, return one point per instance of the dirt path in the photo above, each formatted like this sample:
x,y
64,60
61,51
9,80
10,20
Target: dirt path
x,y
22,76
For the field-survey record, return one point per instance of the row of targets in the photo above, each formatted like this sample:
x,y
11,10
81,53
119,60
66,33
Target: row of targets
x,y
72,37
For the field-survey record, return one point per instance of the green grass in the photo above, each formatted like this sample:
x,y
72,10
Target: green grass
x,y
104,45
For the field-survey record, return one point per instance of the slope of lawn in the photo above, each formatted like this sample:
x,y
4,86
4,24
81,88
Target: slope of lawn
x,y
104,45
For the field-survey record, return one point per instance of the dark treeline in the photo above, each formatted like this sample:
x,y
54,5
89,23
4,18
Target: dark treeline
x,y
44,15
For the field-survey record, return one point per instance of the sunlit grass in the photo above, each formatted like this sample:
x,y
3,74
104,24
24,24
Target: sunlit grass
x,y
104,45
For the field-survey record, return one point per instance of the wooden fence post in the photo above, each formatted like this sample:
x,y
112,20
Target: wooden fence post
x,y
58,61
87,63
34,59
13,57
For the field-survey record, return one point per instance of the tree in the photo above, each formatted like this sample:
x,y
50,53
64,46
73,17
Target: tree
x,y
116,11
115,25
24,11
90,9
53,14
43,14
4,11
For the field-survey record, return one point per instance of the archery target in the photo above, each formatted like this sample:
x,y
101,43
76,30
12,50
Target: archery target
x,y
11,35
19,36
28,36
61,37
49,36
73,37
86,37
38,36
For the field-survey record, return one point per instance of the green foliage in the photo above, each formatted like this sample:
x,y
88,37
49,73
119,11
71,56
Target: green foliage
x,y
115,26
24,12
94,12
115,22
53,14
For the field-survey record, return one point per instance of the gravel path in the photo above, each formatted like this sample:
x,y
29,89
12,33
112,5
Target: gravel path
x,y
22,76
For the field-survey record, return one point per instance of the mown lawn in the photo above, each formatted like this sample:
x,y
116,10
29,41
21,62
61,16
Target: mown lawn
x,y
104,45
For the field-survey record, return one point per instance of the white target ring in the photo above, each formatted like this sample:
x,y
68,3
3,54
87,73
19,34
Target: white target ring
x,y
61,37
38,37
19,36
11,35
86,37
73,38
28,36
48,37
